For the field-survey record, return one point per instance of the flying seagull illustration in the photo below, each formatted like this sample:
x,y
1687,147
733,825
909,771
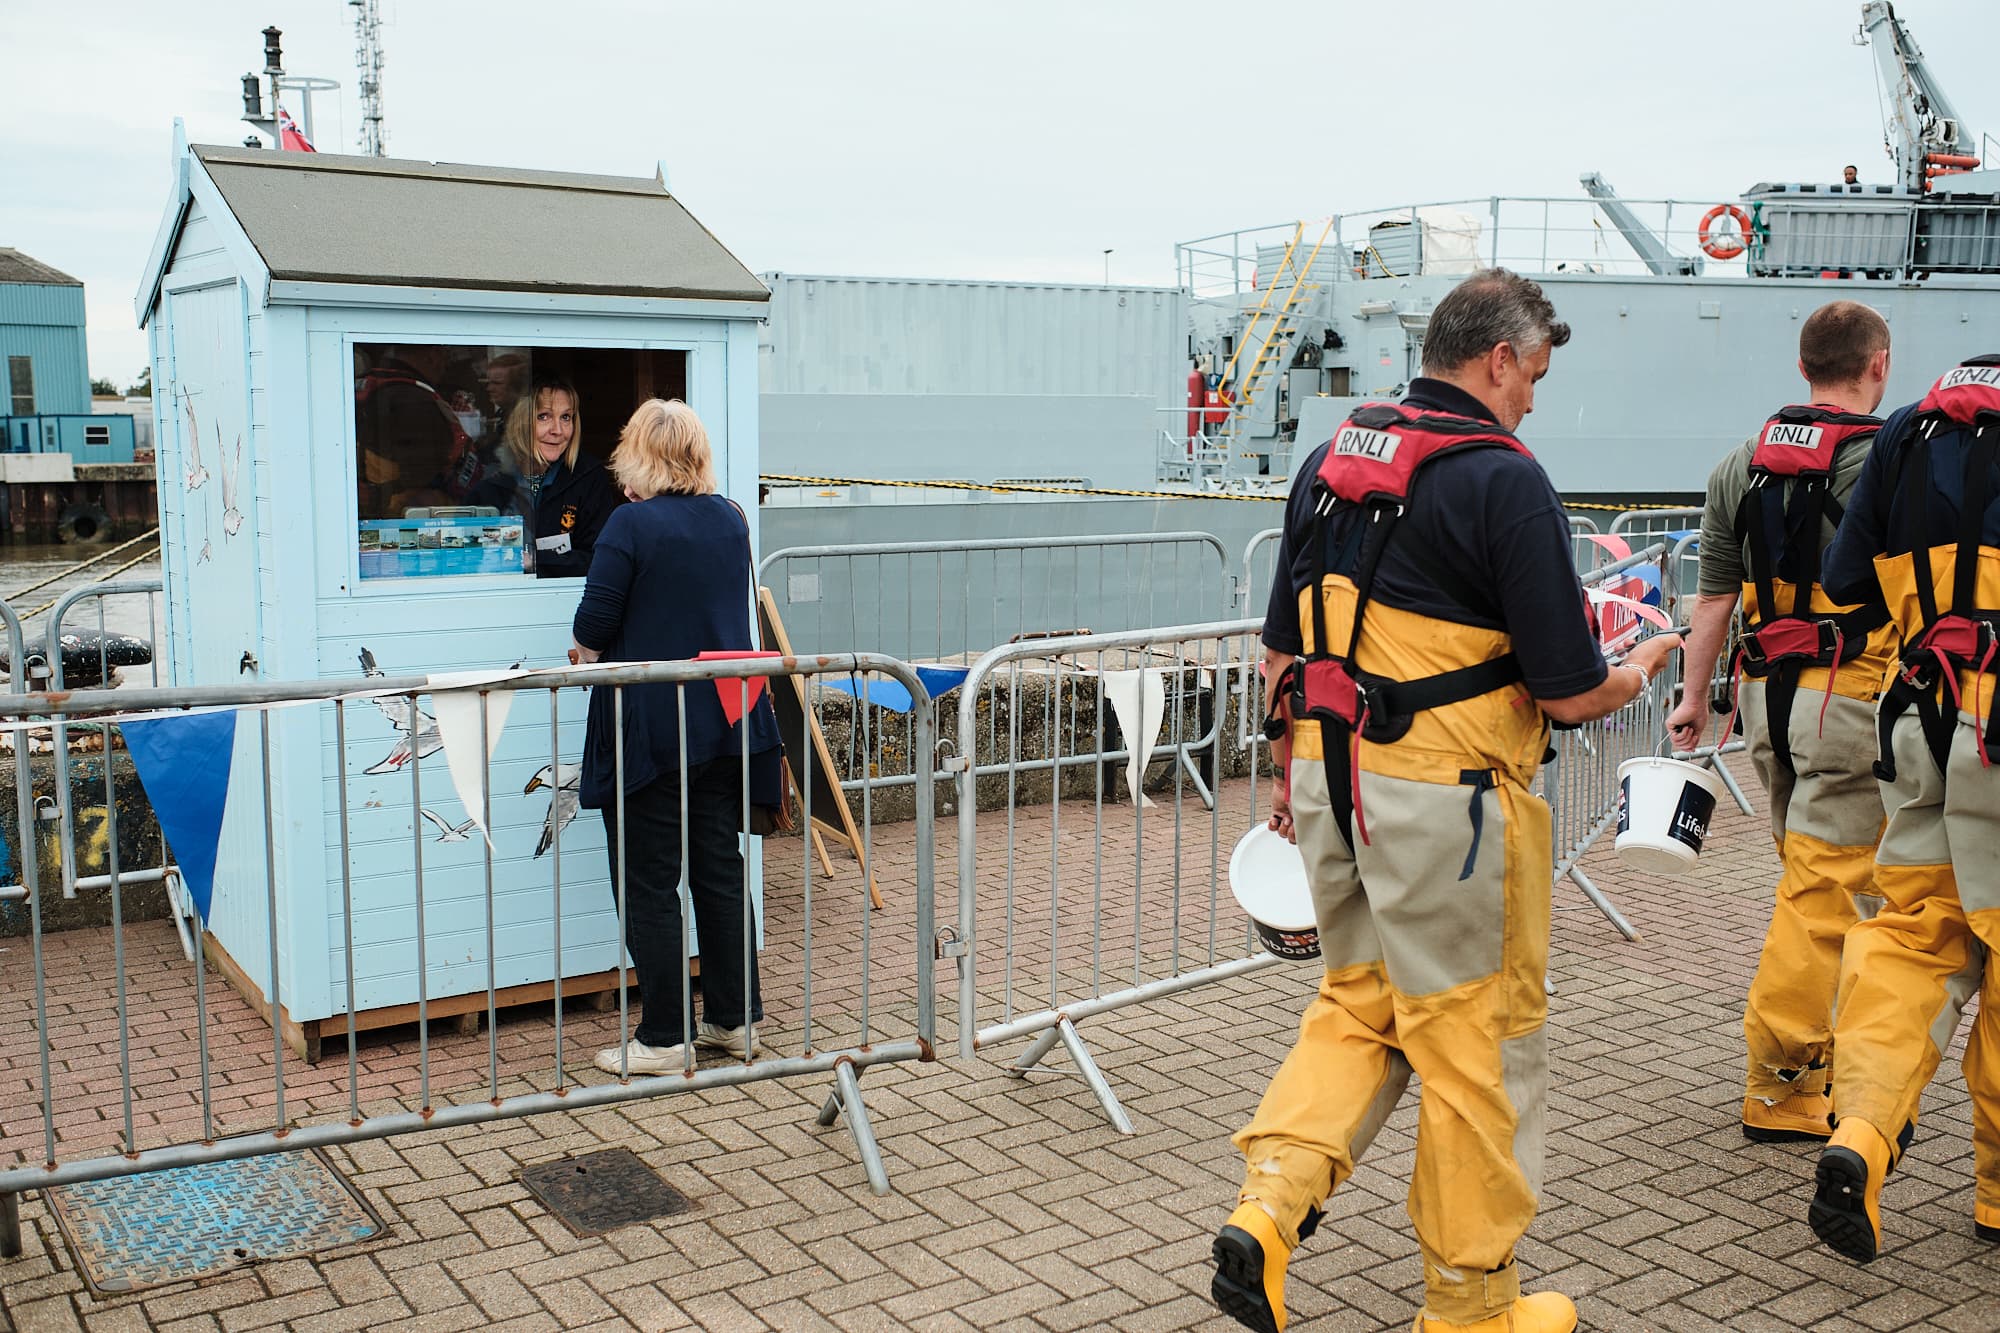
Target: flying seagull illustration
x,y
562,780
449,832
196,473
398,709
232,517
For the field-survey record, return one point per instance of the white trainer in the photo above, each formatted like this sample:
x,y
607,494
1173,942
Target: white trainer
x,y
643,1059
715,1037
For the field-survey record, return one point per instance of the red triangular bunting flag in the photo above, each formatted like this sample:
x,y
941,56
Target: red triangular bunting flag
x,y
730,692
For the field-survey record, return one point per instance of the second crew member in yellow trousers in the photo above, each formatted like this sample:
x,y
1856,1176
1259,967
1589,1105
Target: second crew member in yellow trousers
x,y
1811,671
1425,626
1923,532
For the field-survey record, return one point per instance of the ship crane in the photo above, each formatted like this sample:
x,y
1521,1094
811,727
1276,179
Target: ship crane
x,y
1924,131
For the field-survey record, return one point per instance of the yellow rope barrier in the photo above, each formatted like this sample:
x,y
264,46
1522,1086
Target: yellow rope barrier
x,y
1011,489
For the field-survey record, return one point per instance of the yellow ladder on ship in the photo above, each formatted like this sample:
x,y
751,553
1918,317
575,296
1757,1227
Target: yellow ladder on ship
x,y
1270,326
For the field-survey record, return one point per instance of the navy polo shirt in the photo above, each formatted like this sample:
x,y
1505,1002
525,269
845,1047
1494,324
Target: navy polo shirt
x,y
1877,521
1493,519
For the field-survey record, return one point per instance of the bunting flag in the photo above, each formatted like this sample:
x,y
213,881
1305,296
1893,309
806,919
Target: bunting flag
x,y
735,701
183,763
1139,701
888,692
456,709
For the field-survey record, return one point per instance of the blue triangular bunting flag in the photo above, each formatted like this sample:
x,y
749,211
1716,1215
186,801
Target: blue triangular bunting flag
x,y
183,763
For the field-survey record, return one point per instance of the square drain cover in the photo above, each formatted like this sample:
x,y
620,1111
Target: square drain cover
x,y
602,1191
134,1232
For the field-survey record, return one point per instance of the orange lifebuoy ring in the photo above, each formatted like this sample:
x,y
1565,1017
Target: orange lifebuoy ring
x,y
1721,247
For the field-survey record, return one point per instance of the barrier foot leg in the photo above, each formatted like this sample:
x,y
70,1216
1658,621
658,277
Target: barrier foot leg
x,y
1066,1032
847,1097
1201,790
1043,1043
10,1226
1604,905
1729,781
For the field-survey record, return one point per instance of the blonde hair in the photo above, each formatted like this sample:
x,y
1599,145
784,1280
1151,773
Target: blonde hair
x,y
521,428
664,450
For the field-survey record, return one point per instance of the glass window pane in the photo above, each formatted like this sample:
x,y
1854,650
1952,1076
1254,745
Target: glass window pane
x,y
480,459
21,385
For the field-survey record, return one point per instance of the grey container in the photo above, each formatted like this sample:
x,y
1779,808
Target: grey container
x,y
1959,237
859,335
1395,250
1813,229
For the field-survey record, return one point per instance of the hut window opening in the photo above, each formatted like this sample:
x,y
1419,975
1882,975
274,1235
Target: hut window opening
x,y
450,474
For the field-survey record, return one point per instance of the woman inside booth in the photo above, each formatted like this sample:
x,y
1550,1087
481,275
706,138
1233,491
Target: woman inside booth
x,y
565,494
671,579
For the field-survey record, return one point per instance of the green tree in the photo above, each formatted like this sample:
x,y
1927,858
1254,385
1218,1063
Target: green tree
x,y
100,388
143,388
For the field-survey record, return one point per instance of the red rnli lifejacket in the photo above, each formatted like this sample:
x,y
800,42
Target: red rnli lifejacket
x,y
1373,463
1786,631
1953,636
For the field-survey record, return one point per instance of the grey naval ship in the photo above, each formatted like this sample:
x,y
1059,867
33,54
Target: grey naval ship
x,y
891,409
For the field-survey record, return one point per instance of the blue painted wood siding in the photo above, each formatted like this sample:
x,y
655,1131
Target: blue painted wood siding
x,y
45,324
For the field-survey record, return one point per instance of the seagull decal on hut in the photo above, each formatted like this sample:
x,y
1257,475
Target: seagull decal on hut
x,y
563,781
400,710
197,475
448,832
232,517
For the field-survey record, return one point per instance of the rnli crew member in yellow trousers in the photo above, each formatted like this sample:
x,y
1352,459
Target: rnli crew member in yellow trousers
x,y
1810,671
1923,533
1428,620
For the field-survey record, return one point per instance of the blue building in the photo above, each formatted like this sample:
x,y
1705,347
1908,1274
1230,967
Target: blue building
x,y
47,379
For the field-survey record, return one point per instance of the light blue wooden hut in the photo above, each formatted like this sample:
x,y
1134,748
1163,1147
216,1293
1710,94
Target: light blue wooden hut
x,y
274,279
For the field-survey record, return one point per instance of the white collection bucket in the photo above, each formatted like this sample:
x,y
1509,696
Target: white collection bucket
x,y
1664,807
1268,876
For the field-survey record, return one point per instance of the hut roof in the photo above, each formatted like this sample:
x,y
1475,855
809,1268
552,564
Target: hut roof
x,y
325,217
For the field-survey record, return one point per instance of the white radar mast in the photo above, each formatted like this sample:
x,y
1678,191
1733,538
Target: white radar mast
x,y
1924,131
368,65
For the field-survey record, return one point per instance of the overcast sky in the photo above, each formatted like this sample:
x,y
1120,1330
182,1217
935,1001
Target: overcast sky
x,y
977,141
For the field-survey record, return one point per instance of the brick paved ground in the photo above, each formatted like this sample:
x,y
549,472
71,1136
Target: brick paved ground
x,y
1017,1207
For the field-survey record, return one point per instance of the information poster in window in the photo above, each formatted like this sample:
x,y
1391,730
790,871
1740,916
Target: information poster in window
x,y
441,545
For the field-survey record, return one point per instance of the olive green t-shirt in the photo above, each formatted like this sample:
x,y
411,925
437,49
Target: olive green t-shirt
x,y
1724,560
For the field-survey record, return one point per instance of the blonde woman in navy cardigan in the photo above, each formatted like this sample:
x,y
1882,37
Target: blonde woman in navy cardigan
x,y
670,578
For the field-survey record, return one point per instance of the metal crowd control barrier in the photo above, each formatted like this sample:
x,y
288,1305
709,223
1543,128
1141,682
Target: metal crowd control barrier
x,y
950,600
1580,783
100,667
821,977
1681,587
1259,567
1644,526
1061,947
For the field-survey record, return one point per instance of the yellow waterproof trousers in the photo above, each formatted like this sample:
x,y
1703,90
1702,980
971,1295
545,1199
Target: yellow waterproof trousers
x,y
1436,953
1907,972
1826,817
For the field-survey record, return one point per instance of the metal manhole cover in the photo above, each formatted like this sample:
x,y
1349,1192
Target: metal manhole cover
x,y
134,1232
602,1191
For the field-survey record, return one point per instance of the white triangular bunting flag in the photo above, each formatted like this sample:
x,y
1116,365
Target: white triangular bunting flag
x,y
457,710
1139,702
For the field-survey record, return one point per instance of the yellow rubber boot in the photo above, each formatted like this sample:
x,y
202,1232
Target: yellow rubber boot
x,y
1799,1117
1543,1312
1986,1223
1846,1209
1250,1258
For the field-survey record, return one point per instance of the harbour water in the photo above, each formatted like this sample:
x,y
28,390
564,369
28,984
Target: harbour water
x,y
33,579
